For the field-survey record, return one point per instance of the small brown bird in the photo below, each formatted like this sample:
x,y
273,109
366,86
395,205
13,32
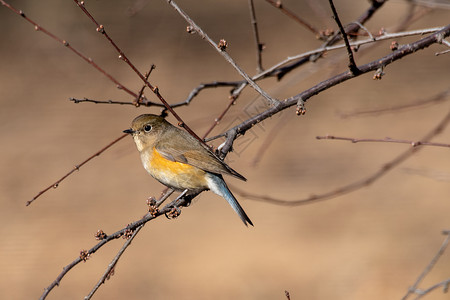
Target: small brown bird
x,y
178,160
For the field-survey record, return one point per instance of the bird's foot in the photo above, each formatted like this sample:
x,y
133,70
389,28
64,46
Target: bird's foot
x,y
174,213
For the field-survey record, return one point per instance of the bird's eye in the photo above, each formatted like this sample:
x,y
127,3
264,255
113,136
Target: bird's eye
x,y
147,128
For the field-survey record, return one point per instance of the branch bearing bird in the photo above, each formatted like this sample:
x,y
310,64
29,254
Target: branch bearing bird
x,y
178,160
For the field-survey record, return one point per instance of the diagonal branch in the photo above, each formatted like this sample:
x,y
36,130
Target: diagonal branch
x,y
101,29
130,228
428,268
89,60
403,51
292,15
221,50
113,263
75,168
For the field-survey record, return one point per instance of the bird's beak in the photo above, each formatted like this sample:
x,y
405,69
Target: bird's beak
x,y
130,131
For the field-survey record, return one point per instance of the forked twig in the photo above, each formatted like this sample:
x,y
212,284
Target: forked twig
x,y
109,271
130,228
445,283
403,51
101,29
351,28
195,91
232,133
221,50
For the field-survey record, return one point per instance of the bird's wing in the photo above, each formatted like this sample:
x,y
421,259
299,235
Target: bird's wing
x,y
190,151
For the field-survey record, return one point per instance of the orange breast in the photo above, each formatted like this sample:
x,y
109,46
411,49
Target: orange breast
x,y
177,175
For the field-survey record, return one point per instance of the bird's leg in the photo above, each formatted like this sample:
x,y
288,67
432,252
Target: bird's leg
x,y
164,197
153,204
175,211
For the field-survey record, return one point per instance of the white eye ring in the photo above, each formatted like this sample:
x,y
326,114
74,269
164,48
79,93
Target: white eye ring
x,y
147,128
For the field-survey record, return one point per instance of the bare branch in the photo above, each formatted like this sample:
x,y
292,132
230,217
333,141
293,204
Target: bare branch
x,y
385,140
232,134
140,97
113,263
76,168
355,185
319,51
278,68
292,15
129,229
403,51
221,50
89,60
86,100
350,29
148,103
433,4
414,288
447,43
217,120
438,98
101,29
442,52
444,284
351,65
259,45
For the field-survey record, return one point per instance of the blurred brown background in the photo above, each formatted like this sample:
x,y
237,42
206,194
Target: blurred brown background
x,y
370,244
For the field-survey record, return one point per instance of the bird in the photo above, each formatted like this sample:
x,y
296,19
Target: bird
x,y
180,161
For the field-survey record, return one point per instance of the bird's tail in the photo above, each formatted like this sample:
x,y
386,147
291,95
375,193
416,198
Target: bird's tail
x,y
218,186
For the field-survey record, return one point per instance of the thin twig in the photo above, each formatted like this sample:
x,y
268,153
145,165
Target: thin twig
x,y
113,263
220,117
365,29
143,103
277,68
292,15
139,98
351,64
385,140
259,45
111,267
129,228
442,52
221,51
444,284
433,4
403,51
75,168
101,29
147,103
89,60
355,185
269,139
414,288
442,96
351,28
